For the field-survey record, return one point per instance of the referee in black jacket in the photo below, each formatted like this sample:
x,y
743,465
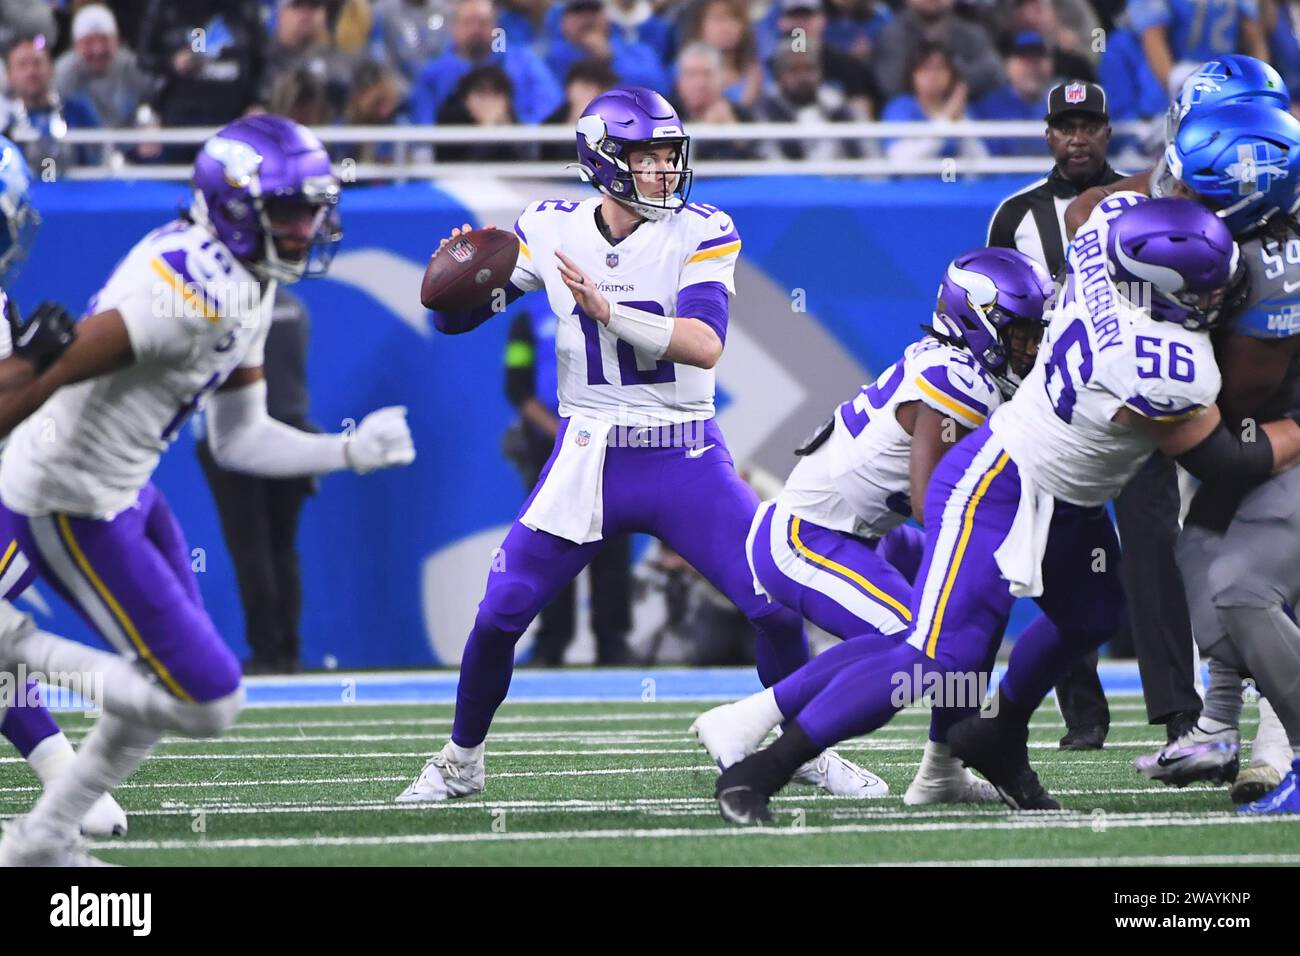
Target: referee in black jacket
x,y
1033,221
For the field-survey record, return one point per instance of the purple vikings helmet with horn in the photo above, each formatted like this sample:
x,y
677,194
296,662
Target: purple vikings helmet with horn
x,y
620,120
1180,254
253,179
984,294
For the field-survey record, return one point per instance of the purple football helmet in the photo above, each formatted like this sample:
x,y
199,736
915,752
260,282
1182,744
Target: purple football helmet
x,y
1174,257
624,118
263,185
985,296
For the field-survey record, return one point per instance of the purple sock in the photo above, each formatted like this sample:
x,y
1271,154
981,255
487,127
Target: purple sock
x,y
943,718
780,645
795,691
25,726
864,695
1040,656
485,671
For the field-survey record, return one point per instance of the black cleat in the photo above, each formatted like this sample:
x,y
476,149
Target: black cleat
x,y
1000,752
743,805
1025,792
1084,738
742,799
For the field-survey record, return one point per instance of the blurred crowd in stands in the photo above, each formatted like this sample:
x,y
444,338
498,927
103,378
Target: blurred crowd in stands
x,y
172,63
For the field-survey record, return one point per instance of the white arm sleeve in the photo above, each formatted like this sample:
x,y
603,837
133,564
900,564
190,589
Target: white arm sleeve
x,y
243,437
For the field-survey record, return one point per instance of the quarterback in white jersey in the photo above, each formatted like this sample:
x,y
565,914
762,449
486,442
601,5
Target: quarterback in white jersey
x,y
639,281
183,318
995,534
599,373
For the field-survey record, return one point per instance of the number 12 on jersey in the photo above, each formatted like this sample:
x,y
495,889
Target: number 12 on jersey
x,y
629,373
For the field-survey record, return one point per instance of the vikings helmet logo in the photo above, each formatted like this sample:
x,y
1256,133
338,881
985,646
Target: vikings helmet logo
x,y
239,161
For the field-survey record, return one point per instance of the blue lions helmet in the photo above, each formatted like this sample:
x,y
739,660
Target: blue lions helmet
x,y
1235,78
18,218
1241,160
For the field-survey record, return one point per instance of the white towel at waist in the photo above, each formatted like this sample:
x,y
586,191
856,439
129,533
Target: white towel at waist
x,y
1020,556
752,539
570,502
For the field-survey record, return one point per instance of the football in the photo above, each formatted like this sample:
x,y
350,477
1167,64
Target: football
x,y
465,272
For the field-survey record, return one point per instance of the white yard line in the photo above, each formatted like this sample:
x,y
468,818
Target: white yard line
x,y
839,807
1026,822
1119,702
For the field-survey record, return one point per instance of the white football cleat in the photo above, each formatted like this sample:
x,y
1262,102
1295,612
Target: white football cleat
x,y
732,732
1270,758
840,777
1270,748
51,759
450,773
941,778
24,845
105,818
1203,753
1255,783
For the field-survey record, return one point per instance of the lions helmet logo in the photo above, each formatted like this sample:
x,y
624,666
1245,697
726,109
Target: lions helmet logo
x,y
1256,166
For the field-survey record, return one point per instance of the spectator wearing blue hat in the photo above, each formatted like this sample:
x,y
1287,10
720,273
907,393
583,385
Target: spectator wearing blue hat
x,y
1028,66
477,41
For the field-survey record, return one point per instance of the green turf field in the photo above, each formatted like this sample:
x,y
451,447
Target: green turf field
x,y
625,784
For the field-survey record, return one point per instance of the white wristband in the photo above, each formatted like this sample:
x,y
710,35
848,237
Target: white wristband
x,y
646,332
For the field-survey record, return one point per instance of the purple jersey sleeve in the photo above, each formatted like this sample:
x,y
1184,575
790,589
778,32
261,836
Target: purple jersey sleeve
x,y
706,301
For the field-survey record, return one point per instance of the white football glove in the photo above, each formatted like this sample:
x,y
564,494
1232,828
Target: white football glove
x,y
382,440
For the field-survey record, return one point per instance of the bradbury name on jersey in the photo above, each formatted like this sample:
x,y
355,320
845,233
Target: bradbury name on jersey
x,y
1100,293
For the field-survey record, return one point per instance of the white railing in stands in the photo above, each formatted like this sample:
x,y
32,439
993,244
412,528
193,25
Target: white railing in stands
x,y
410,142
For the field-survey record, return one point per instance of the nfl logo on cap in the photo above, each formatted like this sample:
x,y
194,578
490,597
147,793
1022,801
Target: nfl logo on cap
x,y
1076,93
611,259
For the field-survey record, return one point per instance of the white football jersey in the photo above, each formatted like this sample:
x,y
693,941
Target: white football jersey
x,y
598,373
859,480
1101,353
193,314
